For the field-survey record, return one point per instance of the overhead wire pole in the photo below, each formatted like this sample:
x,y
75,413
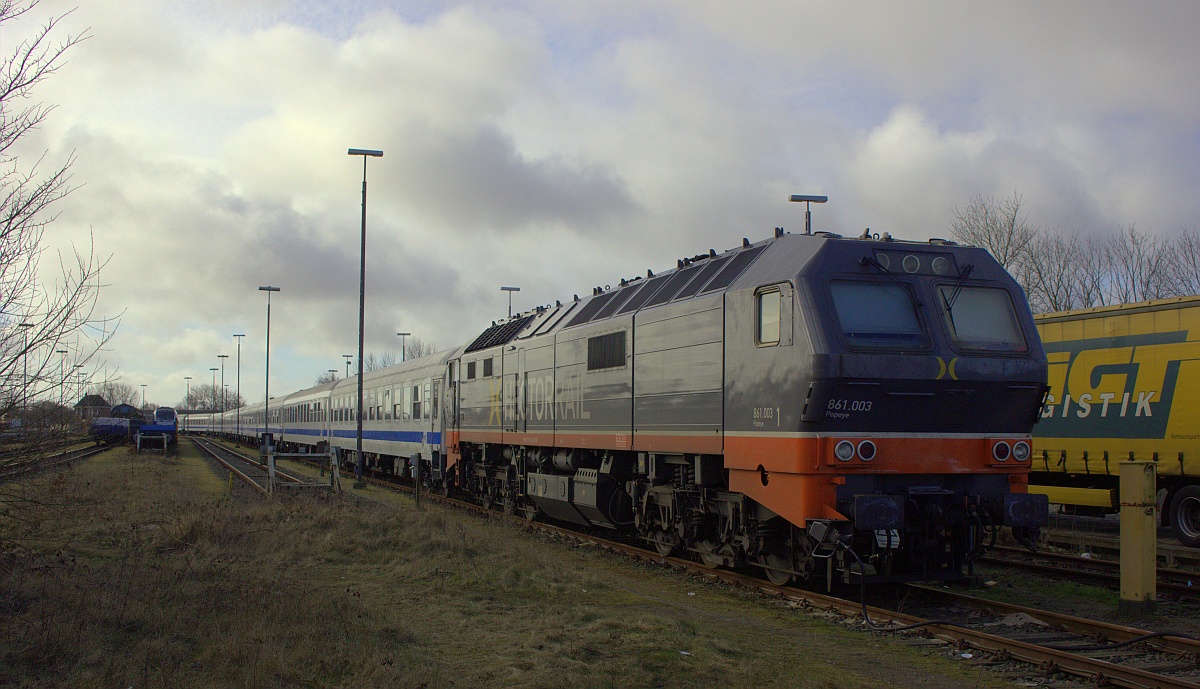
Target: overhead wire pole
x,y
362,292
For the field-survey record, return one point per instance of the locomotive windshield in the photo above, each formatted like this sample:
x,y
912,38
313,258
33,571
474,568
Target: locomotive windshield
x,y
981,318
877,315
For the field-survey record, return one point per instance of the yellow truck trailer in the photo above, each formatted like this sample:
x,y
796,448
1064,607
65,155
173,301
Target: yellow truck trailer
x,y
1124,383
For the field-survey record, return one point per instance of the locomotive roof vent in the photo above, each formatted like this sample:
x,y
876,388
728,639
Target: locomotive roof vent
x,y
829,235
745,242
942,242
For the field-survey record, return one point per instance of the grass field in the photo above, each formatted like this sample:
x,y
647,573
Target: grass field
x,y
135,571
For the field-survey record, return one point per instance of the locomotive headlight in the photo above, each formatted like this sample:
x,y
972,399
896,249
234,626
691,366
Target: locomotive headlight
x,y
940,265
1021,451
844,451
1001,451
866,450
911,264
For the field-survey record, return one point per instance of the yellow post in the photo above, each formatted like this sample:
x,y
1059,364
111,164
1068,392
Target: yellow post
x,y
1139,539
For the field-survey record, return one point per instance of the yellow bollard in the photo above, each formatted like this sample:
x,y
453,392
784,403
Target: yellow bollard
x,y
1139,539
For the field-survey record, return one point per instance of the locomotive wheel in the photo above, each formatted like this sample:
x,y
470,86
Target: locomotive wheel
x,y
773,565
664,543
1185,516
709,554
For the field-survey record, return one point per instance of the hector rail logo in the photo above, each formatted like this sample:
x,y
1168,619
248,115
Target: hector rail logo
x,y
1116,387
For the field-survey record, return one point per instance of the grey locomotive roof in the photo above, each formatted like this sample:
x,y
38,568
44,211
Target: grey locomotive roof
x,y
701,276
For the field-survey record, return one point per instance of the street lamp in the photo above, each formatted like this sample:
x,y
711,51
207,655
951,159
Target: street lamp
x,y
362,289
224,397
143,396
238,414
267,391
25,377
807,200
214,393
62,374
334,372
348,357
510,290
187,401
402,336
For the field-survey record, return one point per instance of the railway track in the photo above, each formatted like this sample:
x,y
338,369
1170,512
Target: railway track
x,y
1183,583
1107,545
1032,647
16,467
253,472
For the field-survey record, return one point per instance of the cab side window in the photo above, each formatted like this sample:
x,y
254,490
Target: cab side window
x,y
767,317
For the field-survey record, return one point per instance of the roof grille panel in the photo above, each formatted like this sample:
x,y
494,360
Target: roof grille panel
x,y
499,334
735,268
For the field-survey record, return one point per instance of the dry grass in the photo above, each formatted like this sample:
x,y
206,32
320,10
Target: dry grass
x,y
145,573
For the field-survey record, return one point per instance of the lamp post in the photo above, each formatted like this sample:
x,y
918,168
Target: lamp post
x,y
214,393
348,357
362,289
62,374
334,372
187,401
143,396
267,391
807,200
510,290
238,414
25,375
224,397
402,336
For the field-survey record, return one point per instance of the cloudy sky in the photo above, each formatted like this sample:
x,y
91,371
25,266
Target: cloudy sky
x,y
562,144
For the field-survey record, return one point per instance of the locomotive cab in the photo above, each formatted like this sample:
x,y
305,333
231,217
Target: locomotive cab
x,y
901,404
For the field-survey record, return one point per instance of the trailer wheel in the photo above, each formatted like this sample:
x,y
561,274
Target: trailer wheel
x,y
1185,515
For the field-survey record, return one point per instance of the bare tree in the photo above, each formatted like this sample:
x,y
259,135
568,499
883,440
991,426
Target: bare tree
x,y
417,347
207,397
1140,267
115,392
1064,272
43,311
1185,263
326,377
998,225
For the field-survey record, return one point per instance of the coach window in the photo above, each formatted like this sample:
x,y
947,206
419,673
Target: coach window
x,y
470,370
766,310
416,402
487,367
426,398
407,402
981,319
